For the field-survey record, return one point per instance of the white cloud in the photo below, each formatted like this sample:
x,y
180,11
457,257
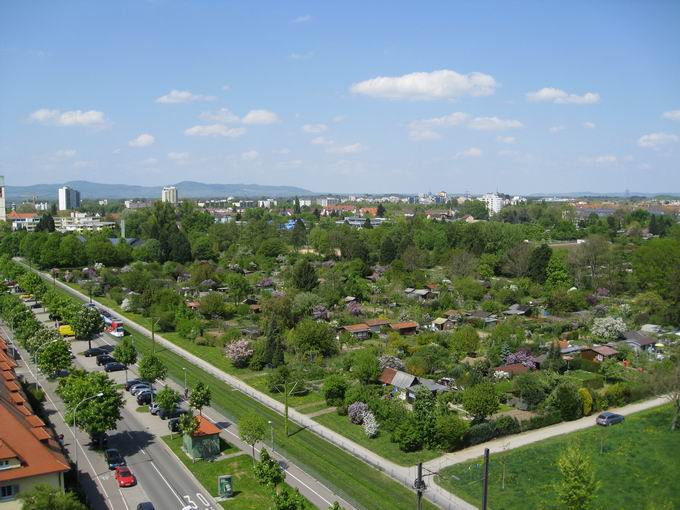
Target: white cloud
x,y
143,140
419,135
226,88
183,96
82,164
92,118
149,162
589,125
556,129
301,56
178,156
494,123
453,119
261,117
345,149
223,115
559,96
214,130
506,139
65,153
472,152
339,118
320,140
605,159
315,128
285,150
657,139
672,115
303,19
249,155
441,84
645,166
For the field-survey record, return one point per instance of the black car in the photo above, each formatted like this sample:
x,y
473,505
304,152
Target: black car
x,y
145,506
94,351
114,366
98,439
103,359
144,398
130,383
114,458
36,305
173,424
606,419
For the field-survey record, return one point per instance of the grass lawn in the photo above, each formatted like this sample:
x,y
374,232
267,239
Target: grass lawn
x,y
142,409
260,383
248,494
312,408
380,444
353,479
638,468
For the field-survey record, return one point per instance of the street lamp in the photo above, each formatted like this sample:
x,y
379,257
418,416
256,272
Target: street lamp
x,y
153,336
185,381
271,427
75,441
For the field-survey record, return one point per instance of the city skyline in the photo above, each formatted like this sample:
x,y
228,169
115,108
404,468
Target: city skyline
x,y
327,99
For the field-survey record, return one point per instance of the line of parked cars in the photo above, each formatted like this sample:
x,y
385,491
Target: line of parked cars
x,y
142,391
104,358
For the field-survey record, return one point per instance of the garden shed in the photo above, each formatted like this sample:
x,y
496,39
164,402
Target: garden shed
x,y
205,442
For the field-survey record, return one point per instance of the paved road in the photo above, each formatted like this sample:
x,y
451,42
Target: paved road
x,y
404,475
162,479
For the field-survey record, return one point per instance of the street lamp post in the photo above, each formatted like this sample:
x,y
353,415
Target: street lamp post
x,y
153,335
75,441
185,382
271,427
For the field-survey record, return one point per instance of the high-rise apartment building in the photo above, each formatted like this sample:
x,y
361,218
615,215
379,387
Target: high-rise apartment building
x,y
169,194
69,198
3,213
494,202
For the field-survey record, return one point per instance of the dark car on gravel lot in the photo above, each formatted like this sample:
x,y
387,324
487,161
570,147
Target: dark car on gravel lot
x,y
175,413
94,351
114,366
173,424
144,398
131,382
103,359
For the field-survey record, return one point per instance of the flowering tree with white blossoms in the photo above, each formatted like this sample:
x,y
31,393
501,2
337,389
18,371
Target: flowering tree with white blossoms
x,y
609,328
371,425
240,352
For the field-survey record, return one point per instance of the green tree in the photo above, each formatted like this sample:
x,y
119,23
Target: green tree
x,y
299,234
567,400
449,430
557,275
97,414
312,336
152,369
304,275
87,323
289,499
365,366
424,407
44,497
45,223
481,401
334,388
212,305
577,488
380,213
530,388
126,352
465,340
388,250
268,471
612,370
538,263
654,262
200,397
251,429
239,288
54,357
168,399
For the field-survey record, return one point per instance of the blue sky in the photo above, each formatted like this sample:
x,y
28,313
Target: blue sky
x,y
382,96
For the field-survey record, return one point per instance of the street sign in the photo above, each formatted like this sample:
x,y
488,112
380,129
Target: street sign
x,y
224,486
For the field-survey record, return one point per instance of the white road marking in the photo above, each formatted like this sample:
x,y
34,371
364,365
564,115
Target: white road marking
x,y
124,502
167,483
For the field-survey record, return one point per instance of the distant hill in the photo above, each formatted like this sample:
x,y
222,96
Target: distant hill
x,y
185,189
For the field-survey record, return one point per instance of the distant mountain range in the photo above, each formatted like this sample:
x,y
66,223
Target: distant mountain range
x,y
185,189
621,194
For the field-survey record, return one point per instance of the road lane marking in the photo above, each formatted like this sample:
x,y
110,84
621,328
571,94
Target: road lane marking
x,y
167,483
124,502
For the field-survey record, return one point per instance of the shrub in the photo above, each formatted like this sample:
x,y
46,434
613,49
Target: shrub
x,y
188,328
356,412
506,425
481,400
617,395
530,388
407,435
587,400
371,425
449,431
480,433
551,417
565,398
334,388
240,352
341,410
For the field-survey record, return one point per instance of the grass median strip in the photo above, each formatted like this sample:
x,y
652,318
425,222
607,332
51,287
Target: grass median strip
x,y
643,451
353,479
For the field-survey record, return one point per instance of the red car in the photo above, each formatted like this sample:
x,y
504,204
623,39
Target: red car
x,y
125,477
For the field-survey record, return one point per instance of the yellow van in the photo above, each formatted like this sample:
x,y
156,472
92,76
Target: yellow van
x,y
66,330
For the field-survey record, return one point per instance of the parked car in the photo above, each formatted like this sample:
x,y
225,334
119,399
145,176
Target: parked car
x,y
138,388
144,398
98,439
114,458
606,419
114,366
94,351
154,408
131,382
173,424
35,305
103,359
124,477
145,506
175,413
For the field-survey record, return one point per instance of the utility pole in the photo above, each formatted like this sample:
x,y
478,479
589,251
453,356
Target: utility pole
x,y
153,335
486,479
419,486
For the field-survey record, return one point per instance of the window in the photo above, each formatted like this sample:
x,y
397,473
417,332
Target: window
x,y
8,491
4,464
